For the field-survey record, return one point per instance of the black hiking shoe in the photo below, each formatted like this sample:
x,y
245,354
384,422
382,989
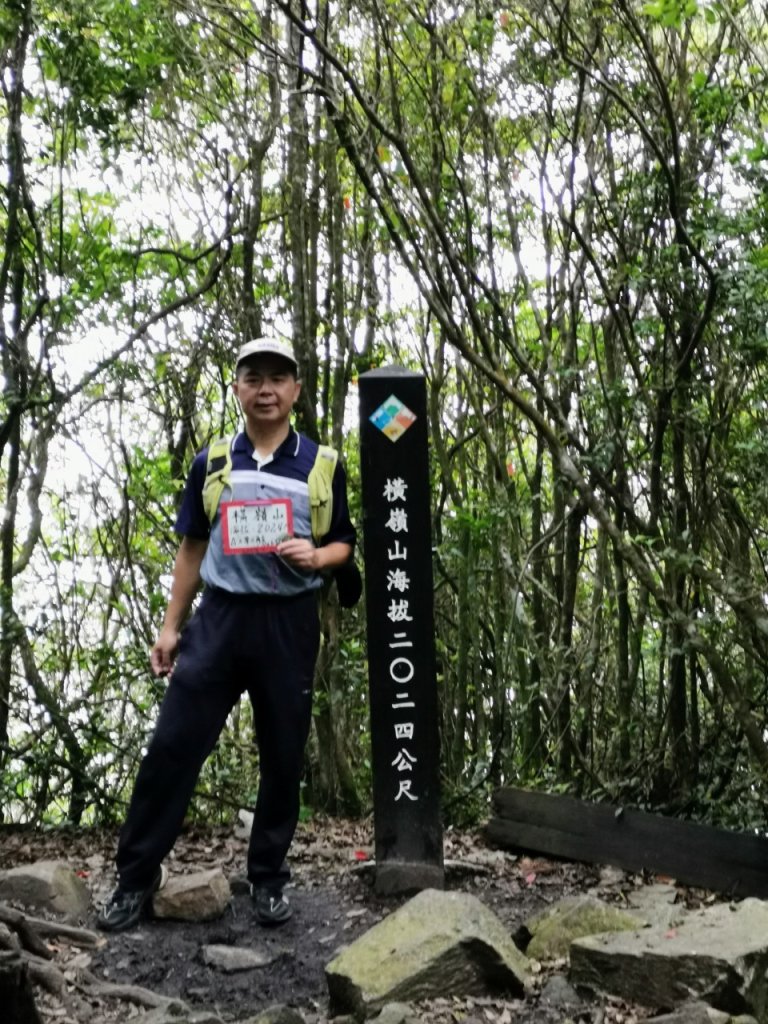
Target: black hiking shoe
x,y
125,908
271,905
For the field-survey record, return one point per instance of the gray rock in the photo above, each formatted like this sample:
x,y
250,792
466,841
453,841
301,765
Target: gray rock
x,y
47,885
571,918
612,877
244,824
396,1013
202,896
277,1014
718,955
180,1014
558,992
437,944
235,958
692,1012
656,905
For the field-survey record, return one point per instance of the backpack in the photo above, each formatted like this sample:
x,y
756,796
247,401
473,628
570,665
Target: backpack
x,y
320,480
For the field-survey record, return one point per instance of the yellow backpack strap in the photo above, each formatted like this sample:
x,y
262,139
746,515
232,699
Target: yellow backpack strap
x,y
218,468
320,483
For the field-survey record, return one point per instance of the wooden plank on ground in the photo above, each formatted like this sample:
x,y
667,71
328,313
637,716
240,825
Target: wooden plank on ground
x,y
694,854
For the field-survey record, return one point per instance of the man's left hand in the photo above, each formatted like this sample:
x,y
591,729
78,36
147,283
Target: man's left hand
x,y
300,552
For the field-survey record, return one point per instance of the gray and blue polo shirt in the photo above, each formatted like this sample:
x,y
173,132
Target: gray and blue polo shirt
x,y
263,499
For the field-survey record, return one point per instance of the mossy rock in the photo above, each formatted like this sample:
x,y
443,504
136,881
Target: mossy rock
x,y
575,917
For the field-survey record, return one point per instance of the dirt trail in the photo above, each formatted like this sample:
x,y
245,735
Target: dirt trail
x,y
333,904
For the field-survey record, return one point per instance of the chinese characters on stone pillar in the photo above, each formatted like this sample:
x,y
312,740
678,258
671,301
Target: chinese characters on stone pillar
x,y
401,667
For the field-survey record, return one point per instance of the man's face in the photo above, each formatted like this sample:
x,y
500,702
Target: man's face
x,y
266,389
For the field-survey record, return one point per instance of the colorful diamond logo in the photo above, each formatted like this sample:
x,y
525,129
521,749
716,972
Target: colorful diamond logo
x,y
393,418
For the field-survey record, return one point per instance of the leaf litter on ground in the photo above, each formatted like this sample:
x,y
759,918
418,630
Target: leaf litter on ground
x,y
332,891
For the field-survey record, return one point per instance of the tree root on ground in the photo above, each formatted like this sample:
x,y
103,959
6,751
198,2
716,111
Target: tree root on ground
x,y
90,985
40,968
30,929
20,934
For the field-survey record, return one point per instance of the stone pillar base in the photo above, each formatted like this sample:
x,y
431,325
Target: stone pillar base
x,y
398,878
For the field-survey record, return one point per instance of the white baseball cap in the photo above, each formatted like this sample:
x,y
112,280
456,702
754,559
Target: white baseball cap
x,y
263,346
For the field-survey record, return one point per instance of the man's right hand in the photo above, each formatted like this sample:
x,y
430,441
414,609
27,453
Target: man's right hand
x,y
164,652
186,580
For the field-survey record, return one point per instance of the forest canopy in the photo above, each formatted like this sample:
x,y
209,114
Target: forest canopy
x,y
554,211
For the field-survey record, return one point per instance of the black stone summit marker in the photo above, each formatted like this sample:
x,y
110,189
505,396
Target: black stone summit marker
x,y
397,550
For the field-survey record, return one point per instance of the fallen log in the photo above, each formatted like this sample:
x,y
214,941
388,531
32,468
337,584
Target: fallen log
x,y
692,853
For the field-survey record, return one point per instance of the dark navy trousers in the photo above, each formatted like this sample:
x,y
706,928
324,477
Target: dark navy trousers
x,y
234,644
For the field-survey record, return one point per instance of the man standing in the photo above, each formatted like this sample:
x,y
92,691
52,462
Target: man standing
x,y
256,630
